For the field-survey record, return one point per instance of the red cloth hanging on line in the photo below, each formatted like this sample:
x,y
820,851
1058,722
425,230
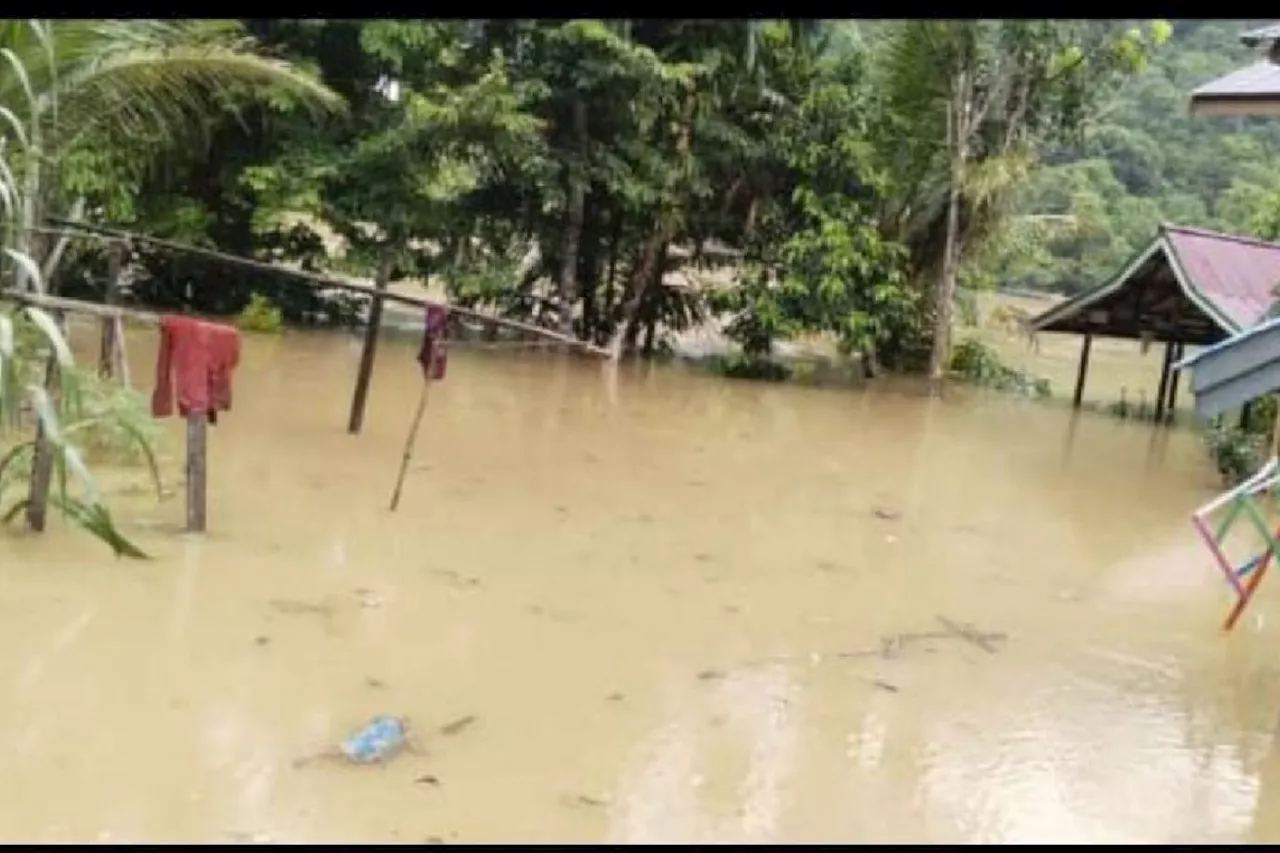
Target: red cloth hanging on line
x,y
434,355
195,363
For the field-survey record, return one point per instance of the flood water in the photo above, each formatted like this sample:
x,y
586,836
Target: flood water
x,y
678,608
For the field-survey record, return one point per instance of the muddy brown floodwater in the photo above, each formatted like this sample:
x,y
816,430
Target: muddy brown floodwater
x,y
677,608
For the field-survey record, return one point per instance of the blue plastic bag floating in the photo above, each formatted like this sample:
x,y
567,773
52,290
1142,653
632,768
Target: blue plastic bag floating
x,y
378,740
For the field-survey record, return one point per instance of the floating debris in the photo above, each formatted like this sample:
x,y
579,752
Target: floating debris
x,y
458,725
300,608
380,739
982,640
889,647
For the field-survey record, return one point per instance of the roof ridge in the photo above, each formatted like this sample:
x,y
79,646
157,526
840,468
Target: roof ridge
x,y
1219,235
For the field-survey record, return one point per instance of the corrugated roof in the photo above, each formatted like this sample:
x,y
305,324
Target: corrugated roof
x,y
1229,343
1236,274
1258,80
1229,279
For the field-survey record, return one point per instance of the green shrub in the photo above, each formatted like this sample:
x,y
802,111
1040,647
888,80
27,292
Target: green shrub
x,y
742,366
978,363
1236,452
261,315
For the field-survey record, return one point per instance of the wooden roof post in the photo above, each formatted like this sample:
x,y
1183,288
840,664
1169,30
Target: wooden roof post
x,y
1162,390
1083,370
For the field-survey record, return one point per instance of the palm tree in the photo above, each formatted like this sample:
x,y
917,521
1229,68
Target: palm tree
x,y
138,85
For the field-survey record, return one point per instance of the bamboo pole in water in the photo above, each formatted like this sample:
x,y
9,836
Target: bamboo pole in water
x,y
317,281
412,439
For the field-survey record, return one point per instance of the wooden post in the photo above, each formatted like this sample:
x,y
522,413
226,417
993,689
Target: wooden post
x,y
1172,408
1162,392
43,458
197,450
110,327
370,351
1083,370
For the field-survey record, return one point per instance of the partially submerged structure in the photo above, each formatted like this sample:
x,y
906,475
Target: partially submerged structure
x,y
1188,286
1236,371
1247,366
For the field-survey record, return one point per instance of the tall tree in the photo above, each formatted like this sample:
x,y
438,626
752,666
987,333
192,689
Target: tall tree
x,y
975,98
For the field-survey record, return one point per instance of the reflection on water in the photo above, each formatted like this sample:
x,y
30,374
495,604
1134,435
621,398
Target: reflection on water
x,y
679,609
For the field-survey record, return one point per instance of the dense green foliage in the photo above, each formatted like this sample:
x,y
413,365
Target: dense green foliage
x,y
586,175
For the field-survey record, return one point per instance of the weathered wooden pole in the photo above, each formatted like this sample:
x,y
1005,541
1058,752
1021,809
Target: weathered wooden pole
x,y
1162,391
1083,370
43,458
111,325
1172,407
370,351
197,470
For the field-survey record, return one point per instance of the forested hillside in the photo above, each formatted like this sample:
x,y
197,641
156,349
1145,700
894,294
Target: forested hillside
x,y
1144,160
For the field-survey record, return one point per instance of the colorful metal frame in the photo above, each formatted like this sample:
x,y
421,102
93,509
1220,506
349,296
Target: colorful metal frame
x,y
1242,501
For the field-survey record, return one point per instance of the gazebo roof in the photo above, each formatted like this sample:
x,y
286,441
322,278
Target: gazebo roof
x,y
1226,281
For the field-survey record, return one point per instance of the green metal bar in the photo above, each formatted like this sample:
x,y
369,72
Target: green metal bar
x,y
1259,523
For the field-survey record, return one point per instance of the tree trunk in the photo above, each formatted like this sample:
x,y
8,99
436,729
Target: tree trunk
x,y
665,230
637,289
573,220
945,289
649,312
615,241
589,269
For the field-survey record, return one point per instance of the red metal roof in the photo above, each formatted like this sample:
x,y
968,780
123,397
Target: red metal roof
x,y
1237,274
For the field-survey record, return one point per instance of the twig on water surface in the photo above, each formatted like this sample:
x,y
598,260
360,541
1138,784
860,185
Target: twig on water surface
x,y
410,441
888,647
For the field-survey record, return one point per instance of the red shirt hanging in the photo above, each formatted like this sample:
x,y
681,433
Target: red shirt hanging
x,y
434,355
196,360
